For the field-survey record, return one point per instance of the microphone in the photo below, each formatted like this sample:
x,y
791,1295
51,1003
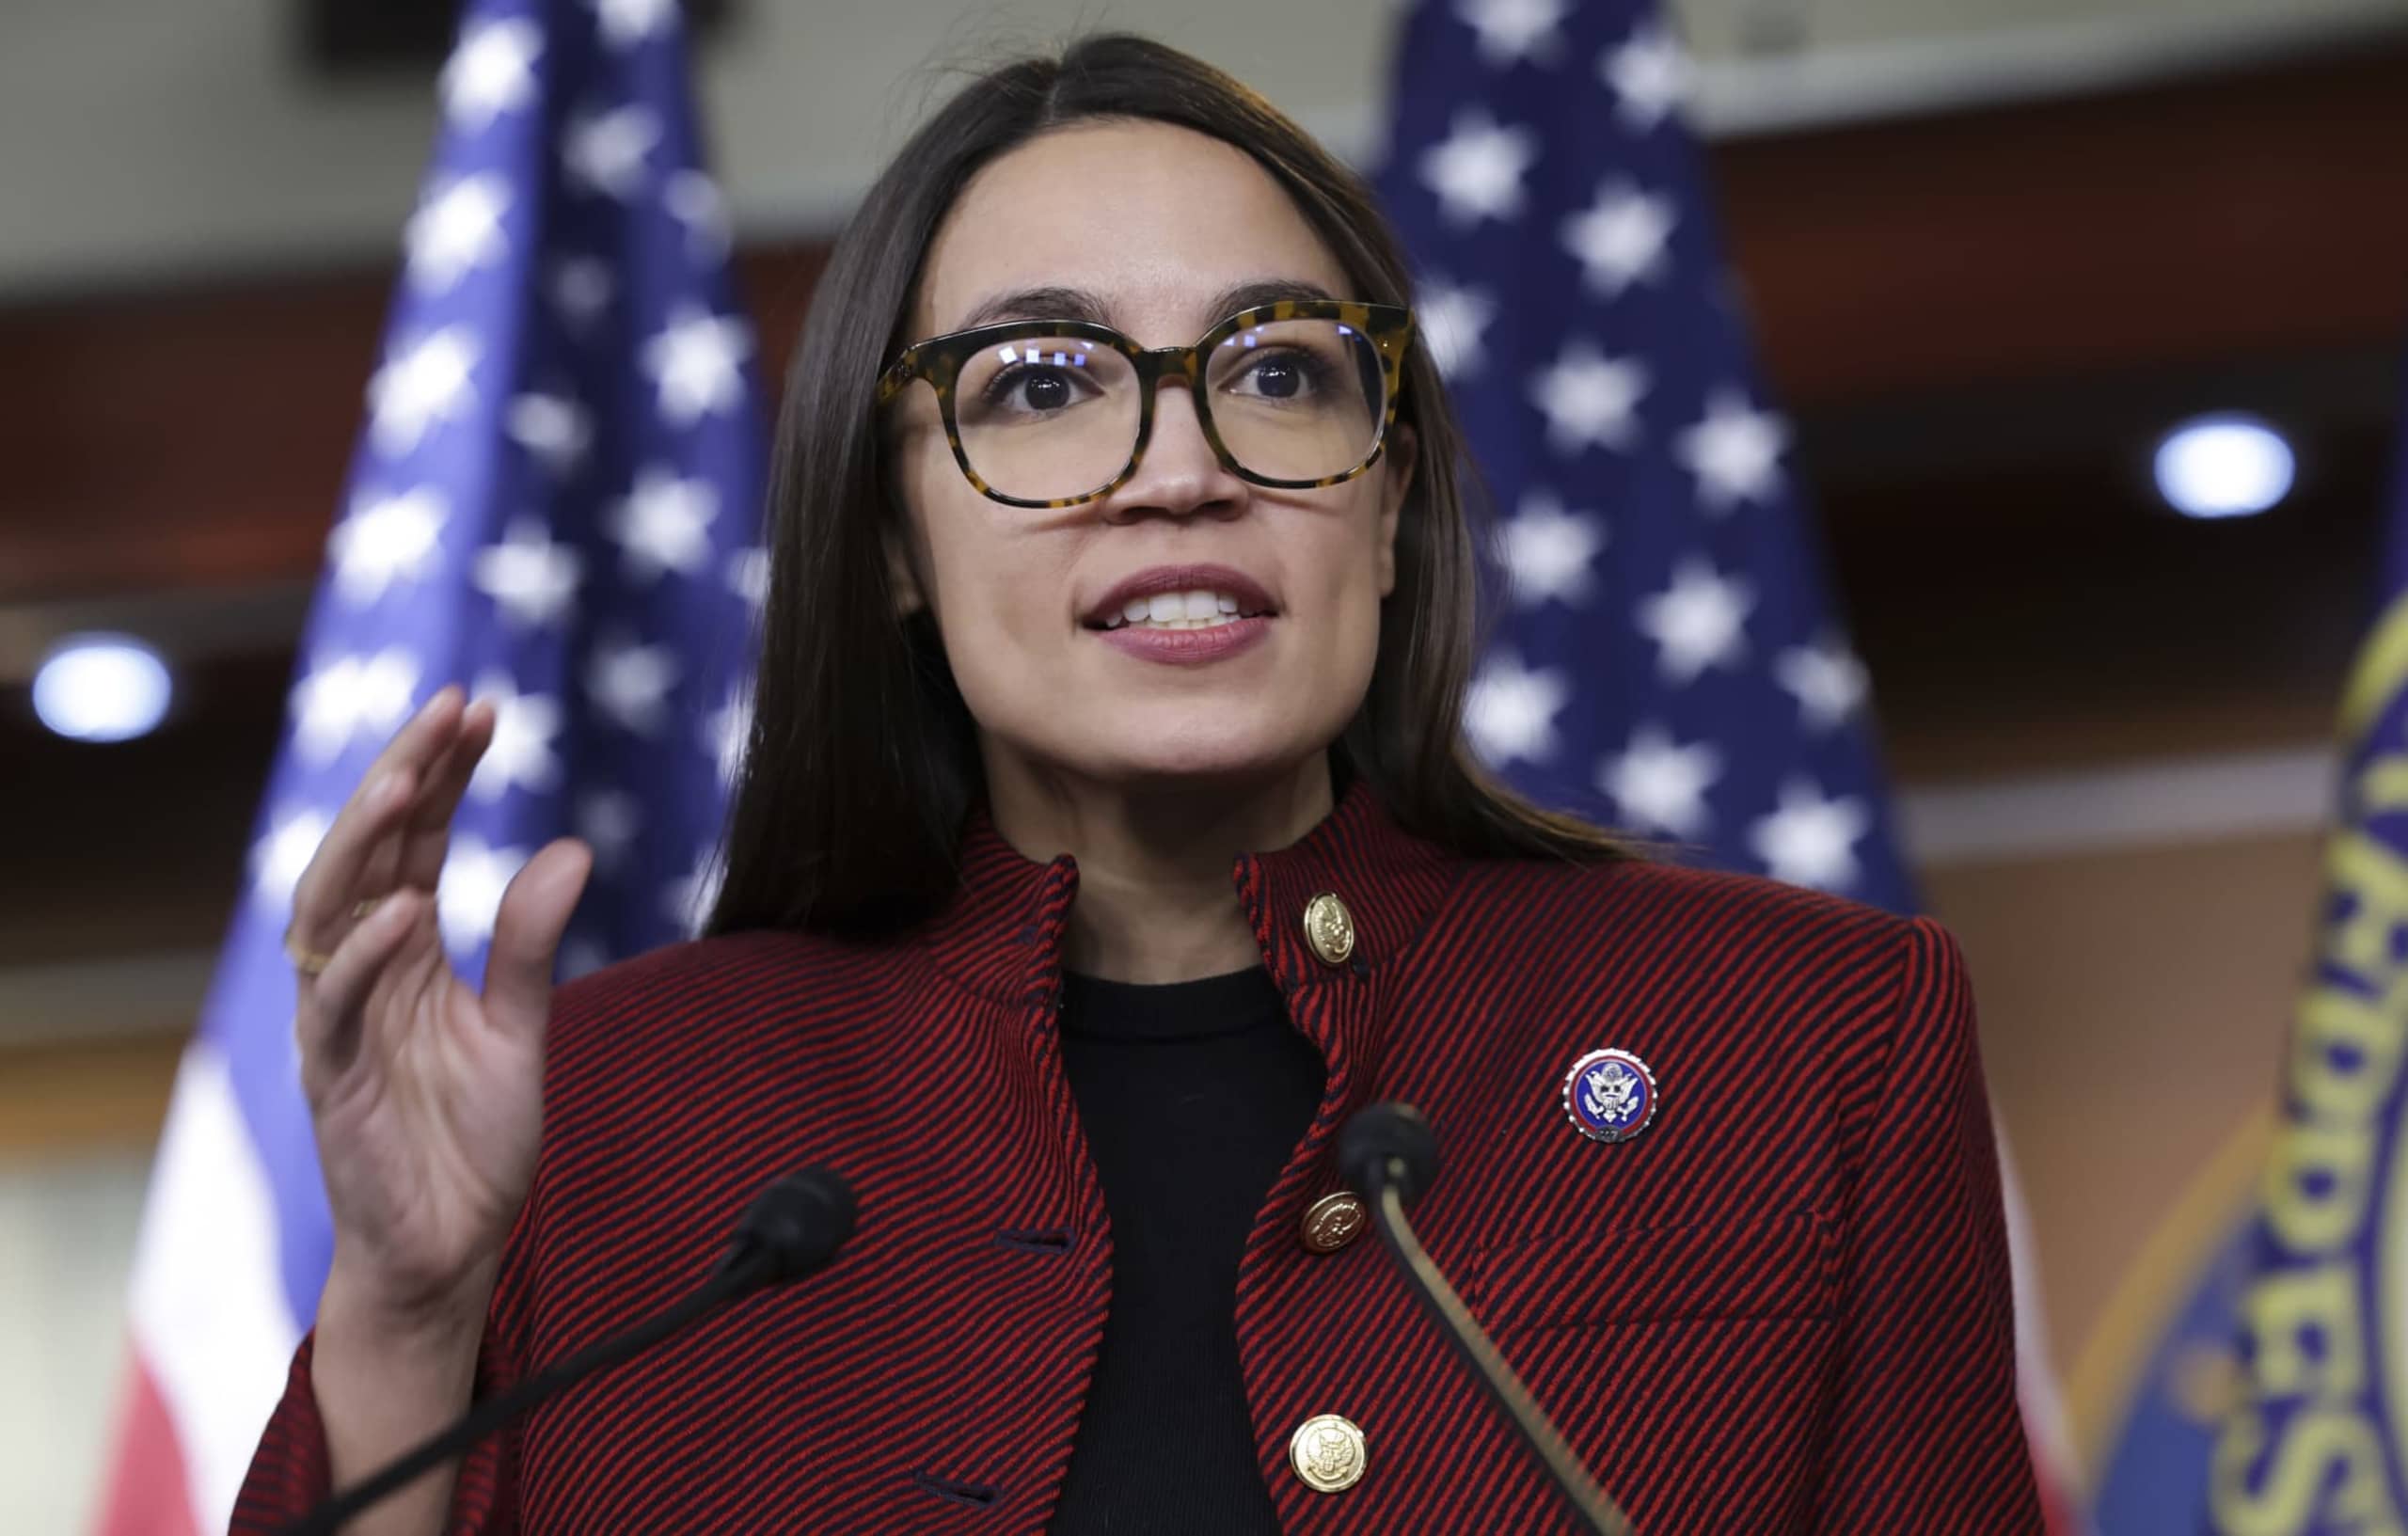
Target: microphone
x,y
792,1227
1388,1154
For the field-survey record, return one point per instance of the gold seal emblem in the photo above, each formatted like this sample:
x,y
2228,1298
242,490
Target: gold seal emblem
x,y
1331,1222
1329,928
1326,1450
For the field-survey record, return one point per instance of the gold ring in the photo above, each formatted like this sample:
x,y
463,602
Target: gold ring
x,y
306,961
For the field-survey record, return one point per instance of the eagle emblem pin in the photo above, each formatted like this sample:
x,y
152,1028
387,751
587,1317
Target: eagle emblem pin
x,y
1609,1095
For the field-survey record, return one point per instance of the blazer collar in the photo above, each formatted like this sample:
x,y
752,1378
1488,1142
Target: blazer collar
x,y
1002,932
1002,936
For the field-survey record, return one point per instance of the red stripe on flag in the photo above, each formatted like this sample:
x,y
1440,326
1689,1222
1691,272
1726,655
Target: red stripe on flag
x,y
2063,1517
148,1494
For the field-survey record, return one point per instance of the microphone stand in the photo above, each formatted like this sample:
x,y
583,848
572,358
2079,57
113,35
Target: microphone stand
x,y
792,1227
1472,1344
1504,1387
726,1286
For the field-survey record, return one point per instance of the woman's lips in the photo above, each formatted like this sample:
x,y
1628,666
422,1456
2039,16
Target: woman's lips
x,y
1187,647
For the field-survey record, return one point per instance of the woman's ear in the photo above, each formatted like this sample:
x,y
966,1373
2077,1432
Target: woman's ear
x,y
899,576
1401,457
899,579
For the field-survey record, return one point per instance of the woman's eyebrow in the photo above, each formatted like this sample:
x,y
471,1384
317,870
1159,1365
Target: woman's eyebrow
x,y
1257,291
1057,303
1037,304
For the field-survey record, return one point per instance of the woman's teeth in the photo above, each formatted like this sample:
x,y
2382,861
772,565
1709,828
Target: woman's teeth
x,y
1198,609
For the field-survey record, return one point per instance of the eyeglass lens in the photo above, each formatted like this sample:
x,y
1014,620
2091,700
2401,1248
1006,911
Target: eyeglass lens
x,y
1047,418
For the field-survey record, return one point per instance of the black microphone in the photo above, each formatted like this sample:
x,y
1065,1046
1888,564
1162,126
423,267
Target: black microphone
x,y
1388,1154
792,1227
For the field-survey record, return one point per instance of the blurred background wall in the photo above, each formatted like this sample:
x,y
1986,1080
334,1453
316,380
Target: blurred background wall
x,y
146,139
1993,249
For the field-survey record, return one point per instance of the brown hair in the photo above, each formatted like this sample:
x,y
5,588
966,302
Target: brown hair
x,y
864,758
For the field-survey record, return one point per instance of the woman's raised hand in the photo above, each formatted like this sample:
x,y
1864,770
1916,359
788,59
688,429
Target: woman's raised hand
x,y
427,1098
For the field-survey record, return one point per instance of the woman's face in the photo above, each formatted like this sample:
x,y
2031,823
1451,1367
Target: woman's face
x,y
1154,228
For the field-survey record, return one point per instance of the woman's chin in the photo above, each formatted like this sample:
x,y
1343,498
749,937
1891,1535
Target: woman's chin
x,y
1202,764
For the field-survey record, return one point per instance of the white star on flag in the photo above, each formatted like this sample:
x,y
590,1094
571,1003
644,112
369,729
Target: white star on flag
x,y
428,383
554,428
1511,712
1452,322
279,858
347,695
1477,172
385,540
664,524
1623,238
490,73
524,727
457,230
1828,681
1547,550
630,683
1661,784
608,821
604,154
467,895
693,199
1698,622
748,575
580,288
1650,75
1589,399
696,364
1513,29
726,731
628,21
531,579
1734,452
1811,841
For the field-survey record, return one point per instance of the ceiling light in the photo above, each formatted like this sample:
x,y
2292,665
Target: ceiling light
x,y
102,687
2223,465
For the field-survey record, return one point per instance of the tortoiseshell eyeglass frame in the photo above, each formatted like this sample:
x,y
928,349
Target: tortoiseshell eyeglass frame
x,y
939,360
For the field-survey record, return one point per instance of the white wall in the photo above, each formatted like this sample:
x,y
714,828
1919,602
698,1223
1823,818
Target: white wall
x,y
66,1230
144,138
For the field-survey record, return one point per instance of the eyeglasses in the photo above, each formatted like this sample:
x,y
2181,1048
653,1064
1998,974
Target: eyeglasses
x,y
1052,413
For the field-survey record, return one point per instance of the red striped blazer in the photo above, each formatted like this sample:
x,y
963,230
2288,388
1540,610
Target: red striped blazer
x,y
1784,1306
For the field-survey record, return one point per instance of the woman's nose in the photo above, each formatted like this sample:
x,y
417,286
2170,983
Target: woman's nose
x,y
1178,470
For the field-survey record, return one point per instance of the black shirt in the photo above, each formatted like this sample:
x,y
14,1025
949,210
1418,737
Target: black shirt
x,y
1192,1097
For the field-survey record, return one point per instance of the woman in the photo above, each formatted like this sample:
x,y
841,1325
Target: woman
x,y
1106,839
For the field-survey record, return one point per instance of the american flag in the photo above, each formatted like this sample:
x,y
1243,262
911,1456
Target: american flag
x,y
1665,657
555,503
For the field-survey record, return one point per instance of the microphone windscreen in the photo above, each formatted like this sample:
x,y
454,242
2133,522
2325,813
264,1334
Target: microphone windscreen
x,y
798,1223
1388,1143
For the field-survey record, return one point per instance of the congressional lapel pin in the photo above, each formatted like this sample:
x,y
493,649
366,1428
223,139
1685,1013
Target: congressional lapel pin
x,y
1609,1095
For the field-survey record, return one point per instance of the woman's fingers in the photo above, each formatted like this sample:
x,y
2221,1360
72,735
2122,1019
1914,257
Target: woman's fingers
x,y
526,935
333,881
328,1022
428,836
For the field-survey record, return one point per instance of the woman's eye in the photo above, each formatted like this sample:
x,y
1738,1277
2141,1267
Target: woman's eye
x,y
1045,391
1279,376
1035,389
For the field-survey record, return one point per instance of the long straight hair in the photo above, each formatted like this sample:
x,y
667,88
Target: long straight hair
x,y
862,759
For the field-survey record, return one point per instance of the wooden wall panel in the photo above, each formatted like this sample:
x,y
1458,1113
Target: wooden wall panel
x,y
2181,224
200,438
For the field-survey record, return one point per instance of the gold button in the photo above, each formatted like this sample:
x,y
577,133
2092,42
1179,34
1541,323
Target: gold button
x,y
1330,929
1332,1221
1326,1450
